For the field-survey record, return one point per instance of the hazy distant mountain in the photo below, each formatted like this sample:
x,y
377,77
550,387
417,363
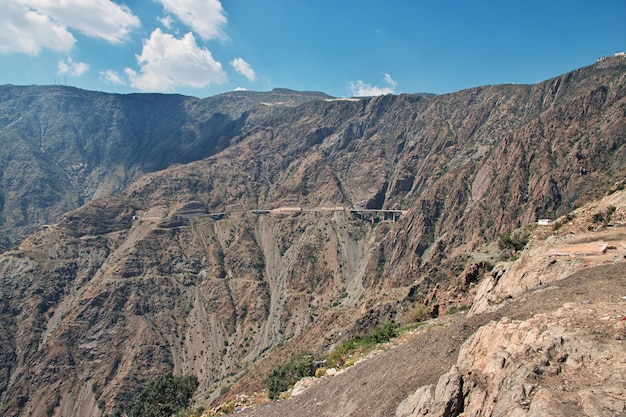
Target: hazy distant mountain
x,y
187,270
61,147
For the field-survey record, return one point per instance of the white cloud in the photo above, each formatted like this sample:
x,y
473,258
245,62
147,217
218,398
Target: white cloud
x,y
205,17
102,19
240,89
362,89
112,77
167,22
28,26
72,68
167,62
390,81
243,68
27,31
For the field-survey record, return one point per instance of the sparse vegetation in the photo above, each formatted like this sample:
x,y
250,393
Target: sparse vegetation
x,y
454,309
416,314
285,375
603,217
164,397
346,353
410,326
598,218
562,221
191,412
512,242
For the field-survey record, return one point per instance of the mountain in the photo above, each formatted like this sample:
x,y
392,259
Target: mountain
x,y
295,227
544,336
62,147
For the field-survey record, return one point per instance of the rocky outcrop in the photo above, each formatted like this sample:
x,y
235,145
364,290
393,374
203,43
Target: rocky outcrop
x,y
568,359
541,263
563,363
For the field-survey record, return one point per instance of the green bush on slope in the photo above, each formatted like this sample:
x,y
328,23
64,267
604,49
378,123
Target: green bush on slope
x,y
162,398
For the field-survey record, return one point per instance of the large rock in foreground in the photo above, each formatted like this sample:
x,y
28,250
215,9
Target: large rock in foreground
x,y
567,362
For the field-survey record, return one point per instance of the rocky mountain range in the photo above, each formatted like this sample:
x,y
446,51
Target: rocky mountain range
x,y
62,147
220,236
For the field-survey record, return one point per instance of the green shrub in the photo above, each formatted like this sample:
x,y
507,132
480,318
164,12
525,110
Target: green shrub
x,y
381,334
360,344
285,375
416,314
604,217
189,412
513,241
598,218
563,221
162,398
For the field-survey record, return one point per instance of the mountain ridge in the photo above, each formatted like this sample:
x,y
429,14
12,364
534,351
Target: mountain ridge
x,y
75,145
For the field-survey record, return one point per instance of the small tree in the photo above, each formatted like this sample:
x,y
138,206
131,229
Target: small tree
x,y
161,398
514,241
285,375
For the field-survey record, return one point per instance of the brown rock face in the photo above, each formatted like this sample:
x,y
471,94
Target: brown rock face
x,y
189,270
547,365
568,358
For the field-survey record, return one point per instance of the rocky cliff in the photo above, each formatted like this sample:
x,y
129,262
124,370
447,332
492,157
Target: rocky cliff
x,y
277,241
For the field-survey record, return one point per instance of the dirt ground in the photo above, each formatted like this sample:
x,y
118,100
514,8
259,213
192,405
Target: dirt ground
x,y
377,385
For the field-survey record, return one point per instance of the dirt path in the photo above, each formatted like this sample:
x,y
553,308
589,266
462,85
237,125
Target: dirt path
x,y
376,386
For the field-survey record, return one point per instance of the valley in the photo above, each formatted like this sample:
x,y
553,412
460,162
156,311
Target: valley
x,y
220,237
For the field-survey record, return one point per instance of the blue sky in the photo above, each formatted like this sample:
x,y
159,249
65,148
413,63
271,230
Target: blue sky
x,y
341,47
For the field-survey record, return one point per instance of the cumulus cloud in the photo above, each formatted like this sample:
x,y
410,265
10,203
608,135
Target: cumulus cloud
x,y
204,17
112,77
102,19
243,68
28,31
362,89
70,67
167,62
28,26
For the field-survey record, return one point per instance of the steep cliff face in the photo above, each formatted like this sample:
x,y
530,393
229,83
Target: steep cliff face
x,y
188,269
533,153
